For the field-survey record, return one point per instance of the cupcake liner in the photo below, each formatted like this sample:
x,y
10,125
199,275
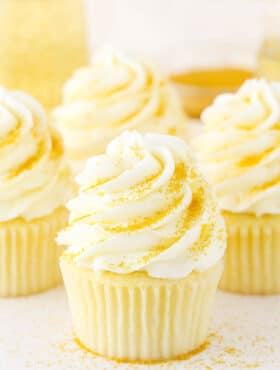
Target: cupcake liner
x,y
252,258
138,318
29,255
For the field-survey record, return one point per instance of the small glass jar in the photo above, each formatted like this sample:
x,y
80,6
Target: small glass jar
x,y
41,43
211,69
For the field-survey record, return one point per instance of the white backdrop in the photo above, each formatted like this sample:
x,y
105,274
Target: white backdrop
x,y
167,30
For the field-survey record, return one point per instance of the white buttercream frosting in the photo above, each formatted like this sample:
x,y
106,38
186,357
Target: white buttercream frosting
x,y
239,150
115,93
143,206
34,179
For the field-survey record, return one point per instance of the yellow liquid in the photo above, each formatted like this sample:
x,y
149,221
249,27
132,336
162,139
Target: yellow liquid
x,y
198,88
41,43
269,59
222,77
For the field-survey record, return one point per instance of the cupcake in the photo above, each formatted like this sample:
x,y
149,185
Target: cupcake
x,y
112,95
239,153
34,185
145,243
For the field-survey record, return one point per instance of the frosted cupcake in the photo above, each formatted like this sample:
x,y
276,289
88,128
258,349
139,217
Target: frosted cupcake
x,y
114,94
34,185
145,246
240,154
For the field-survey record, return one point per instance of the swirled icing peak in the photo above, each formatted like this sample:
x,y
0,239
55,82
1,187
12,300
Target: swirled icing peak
x,y
239,150
142,206
110,96
34,179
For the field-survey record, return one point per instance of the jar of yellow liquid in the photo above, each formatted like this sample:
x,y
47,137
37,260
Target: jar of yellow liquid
x,y
211,70
269,53
41,43
199,87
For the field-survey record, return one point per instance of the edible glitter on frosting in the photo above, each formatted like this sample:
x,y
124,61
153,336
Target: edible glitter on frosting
x,y
115,93
143,206
34,178
239,150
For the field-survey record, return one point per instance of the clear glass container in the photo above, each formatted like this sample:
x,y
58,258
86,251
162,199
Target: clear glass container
x,y
269,53
211,69
42,42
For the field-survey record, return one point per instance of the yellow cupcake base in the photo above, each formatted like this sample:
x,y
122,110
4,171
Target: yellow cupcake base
x,y
252,258
138,318
29,255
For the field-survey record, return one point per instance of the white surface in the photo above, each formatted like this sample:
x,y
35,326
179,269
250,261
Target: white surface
x,y
36,334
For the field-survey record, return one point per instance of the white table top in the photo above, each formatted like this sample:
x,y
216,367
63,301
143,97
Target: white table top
x,y
36,334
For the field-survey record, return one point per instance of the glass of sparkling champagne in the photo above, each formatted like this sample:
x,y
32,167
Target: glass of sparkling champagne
x,y
269,53
42,42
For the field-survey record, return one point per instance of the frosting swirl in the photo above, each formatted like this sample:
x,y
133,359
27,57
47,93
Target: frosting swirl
x,y
115,94
142,206
34,179
240,148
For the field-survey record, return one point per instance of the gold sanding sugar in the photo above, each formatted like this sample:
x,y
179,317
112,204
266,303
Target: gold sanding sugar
x,y
42,43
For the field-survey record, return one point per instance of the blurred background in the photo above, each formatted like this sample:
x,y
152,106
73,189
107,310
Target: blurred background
x,y
169,30
205,47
